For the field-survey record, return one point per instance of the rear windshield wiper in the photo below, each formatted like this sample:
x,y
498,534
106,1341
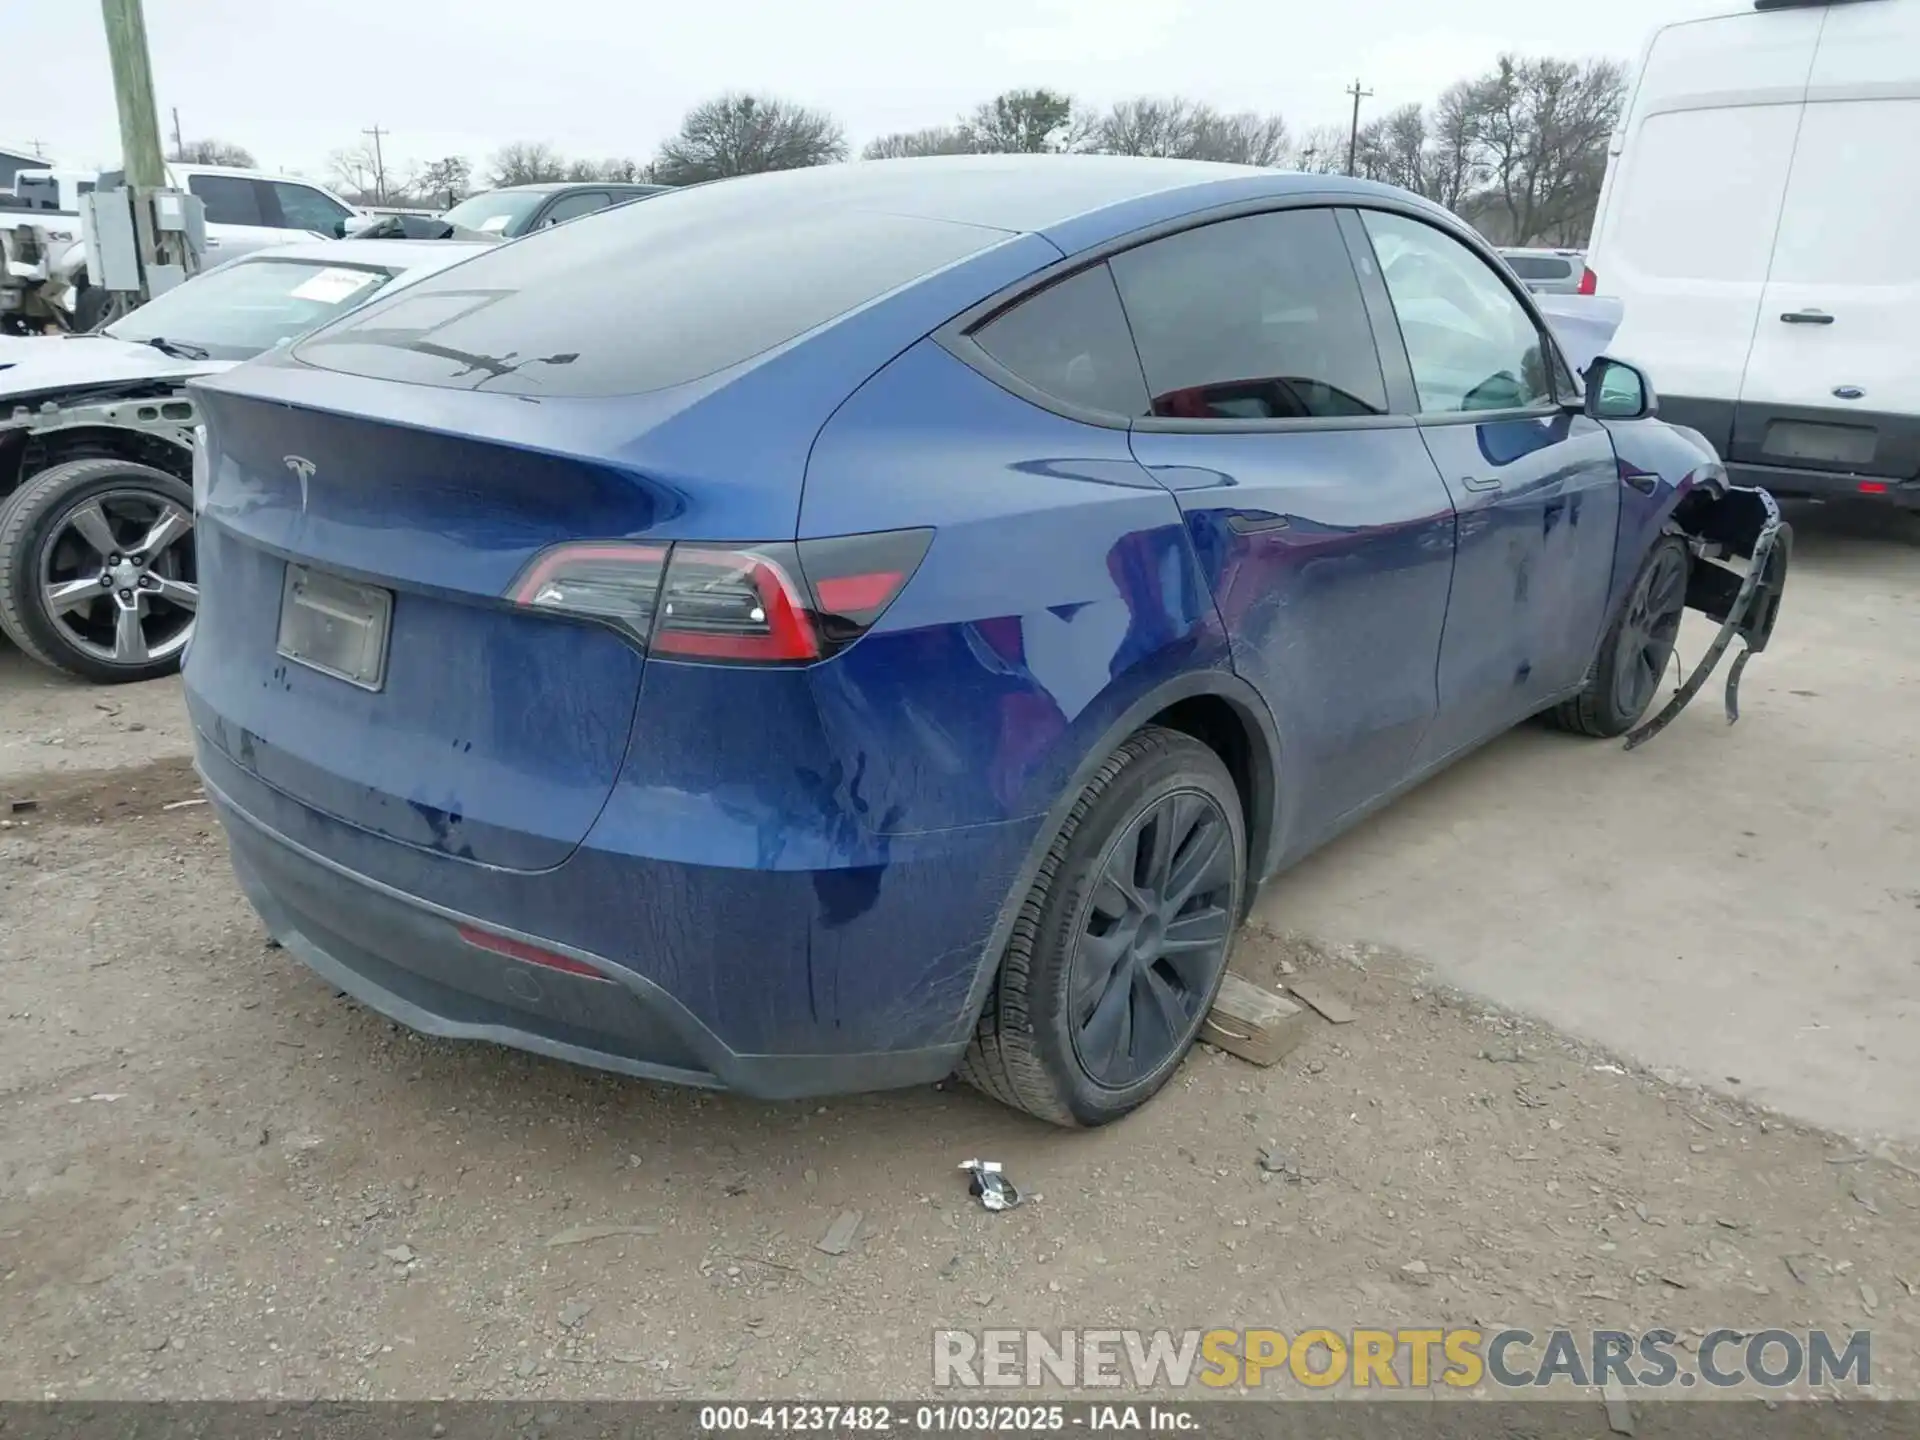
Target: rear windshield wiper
x,y
177,349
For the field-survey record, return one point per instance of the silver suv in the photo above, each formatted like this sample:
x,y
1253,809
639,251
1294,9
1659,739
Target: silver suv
x,y
1547,272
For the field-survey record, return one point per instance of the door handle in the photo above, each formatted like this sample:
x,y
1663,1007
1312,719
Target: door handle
x,y
1254,522
1807,317
1480,485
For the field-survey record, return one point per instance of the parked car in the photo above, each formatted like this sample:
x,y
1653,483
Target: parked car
x,y
522,209
246,210
1025,557
1547,272
1782,328
97,567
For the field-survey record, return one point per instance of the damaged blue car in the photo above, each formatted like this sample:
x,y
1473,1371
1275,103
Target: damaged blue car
x,y
826,630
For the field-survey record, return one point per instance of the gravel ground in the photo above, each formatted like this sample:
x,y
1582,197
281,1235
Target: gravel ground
x,y
218,1178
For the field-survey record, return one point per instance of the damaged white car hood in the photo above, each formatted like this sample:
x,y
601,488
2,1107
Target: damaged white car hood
x,y
37,365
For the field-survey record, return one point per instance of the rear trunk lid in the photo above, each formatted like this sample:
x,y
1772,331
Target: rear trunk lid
x,y
354,649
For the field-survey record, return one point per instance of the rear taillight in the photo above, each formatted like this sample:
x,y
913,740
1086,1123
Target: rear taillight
x,y
614,582
1589,282
738,605
775,604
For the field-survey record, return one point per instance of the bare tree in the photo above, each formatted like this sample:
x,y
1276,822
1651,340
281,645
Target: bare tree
x,y
1248,138
526,162
1187,130
739,134
1394,148
1453,160
441,182
1542,128
1023,122
355,172
1148,125
215,152
622,168
936,140
1321,151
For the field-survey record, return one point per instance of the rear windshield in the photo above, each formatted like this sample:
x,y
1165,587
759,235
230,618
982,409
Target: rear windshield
x,y
643,296
1540,267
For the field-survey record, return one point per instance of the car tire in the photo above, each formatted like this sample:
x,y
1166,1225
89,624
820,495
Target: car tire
x,y
42,534
1637,649
90,308
1041,1044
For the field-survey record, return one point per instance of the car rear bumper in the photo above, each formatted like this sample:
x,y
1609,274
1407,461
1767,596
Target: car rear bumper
x,y
1826,485
405,956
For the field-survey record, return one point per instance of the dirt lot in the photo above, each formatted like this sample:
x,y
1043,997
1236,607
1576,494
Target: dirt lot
x,y
217,1178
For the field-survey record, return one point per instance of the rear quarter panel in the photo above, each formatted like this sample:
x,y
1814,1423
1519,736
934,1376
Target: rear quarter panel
x,y
1060,589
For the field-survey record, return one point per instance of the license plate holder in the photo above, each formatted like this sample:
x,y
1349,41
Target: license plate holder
x,y
336,626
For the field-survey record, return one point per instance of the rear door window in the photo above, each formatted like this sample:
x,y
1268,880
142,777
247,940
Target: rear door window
x,y
304,208
1070,341
647,296
230,199
570,207
1258,318
1539,267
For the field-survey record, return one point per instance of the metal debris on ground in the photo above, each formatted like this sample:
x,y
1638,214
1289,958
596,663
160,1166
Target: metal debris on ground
x,y
1619,1412
990,1186
1275,1161
1321,998
581,1234
23,807
182,804
839,1237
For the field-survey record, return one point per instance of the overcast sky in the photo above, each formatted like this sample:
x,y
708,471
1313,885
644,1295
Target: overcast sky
x,y
292,80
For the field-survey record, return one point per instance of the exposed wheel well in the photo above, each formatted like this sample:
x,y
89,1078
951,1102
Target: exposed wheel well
x,y
1219,724
42,452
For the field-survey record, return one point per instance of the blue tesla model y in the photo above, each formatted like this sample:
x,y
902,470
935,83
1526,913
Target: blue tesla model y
x,y
826,630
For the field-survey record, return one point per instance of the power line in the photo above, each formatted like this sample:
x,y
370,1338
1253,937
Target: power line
x,y
1353,135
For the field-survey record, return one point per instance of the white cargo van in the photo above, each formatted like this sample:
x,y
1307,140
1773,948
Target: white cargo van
x,y
1760,222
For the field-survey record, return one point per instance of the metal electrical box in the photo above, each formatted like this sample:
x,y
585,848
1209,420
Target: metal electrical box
x,y
113,247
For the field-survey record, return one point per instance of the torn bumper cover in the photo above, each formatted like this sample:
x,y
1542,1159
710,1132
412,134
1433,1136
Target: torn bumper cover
x,y
1744,523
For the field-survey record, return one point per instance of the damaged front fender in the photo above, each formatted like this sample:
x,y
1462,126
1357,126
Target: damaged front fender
x,y
1741,524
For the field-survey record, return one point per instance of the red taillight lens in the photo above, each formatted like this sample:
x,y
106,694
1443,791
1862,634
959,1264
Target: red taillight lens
x,y
854,578
613,581
1874,487
739,605
1589,282
776,604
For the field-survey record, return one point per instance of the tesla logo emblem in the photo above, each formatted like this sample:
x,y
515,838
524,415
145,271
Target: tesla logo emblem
x,y
304,468
1848,392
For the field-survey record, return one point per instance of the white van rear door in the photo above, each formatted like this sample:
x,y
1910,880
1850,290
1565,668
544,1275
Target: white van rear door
x,y
1841,310
1693,198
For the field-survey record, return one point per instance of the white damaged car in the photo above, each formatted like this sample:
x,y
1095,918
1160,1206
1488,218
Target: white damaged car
x,y
96,448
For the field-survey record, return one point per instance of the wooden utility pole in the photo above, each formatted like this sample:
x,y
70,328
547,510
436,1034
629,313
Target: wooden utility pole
x,y
1353,135
179,145
145,167
379,166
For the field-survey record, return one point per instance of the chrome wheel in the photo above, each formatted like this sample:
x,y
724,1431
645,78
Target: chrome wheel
x,y
1154,938
117,577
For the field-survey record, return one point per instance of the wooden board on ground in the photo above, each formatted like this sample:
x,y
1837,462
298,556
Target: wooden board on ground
x,y
1322,998
1254,1023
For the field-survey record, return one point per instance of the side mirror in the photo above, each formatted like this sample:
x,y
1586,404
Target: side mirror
x,y
1619,391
